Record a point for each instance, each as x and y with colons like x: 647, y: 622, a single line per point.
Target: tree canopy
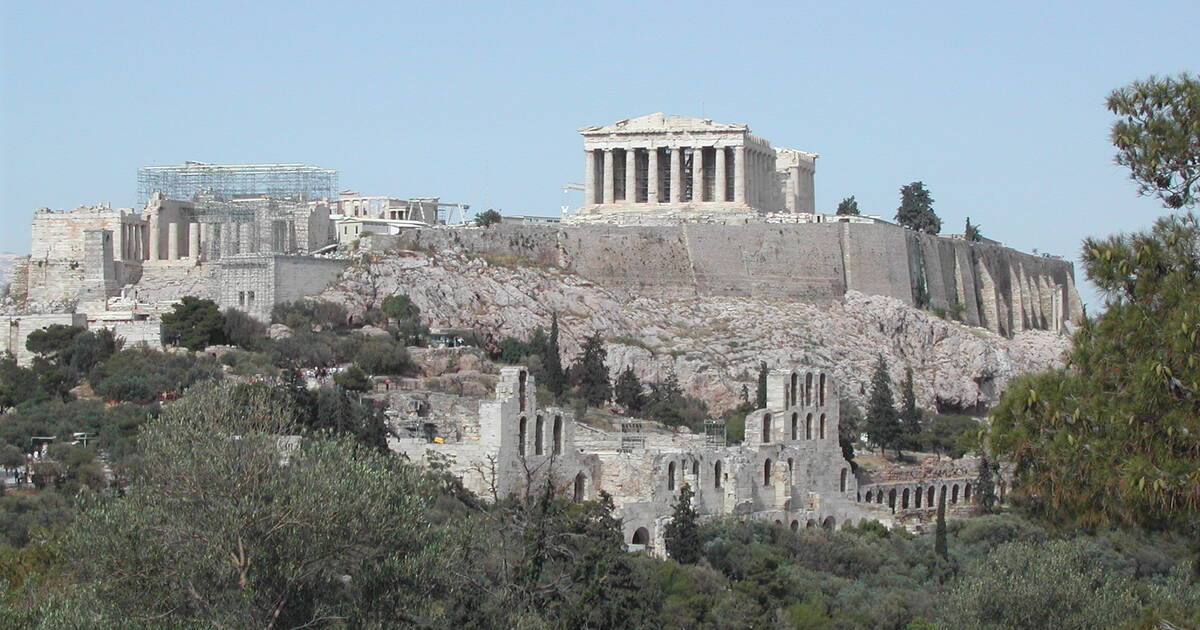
x: 487, y: 218
x: 883, y: 422
x: 916, y: 209
x: 1157, y: 135
x: 194, y: 323
x: 848, y: 206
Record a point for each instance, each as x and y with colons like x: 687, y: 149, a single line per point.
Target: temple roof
x: 661, y: 122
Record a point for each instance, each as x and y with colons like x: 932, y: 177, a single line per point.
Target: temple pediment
x: 660, y: 122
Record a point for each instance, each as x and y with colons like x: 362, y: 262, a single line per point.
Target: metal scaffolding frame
x: 230, y: 181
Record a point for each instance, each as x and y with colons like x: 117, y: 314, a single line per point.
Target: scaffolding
x: 714, y: 434
x: 233, y: 181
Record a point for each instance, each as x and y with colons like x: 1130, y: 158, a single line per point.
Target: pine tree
x: 910, y: 416
x: 916, y: 209
x: 552, y: 360
x: 985, y: 486
x: 971, y: 232
x: 760, y: 398
x: 589, y: 372
x: 848, y: 206
x: 883, y: 423
x: 628, y: 391
x: 683, y: 532
x: 939, y: 536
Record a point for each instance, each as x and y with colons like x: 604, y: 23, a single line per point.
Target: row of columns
x: 600, y: 165
x: 175, y: 238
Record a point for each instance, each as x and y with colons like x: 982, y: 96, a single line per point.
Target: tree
x: 910, y: 416
x: 487, y: 218
x: 194, y: 324
x: 353, y: 378
x: 628, y: 391
x: 683, y: 532
x: 883, y: 423
x: 985, y: 485
x: 1157, y: 135
x: 760, y: 395
x: 232, y: 528
x: 939, y: 532
x: 916, y: 209
x: 589, y: 372
x: 399, y: 307
x: 971, y: 232
x: 849, y: 427
x: 52, y: 341
x: 848, y: 206
x: 552, y: 360
x: 242, y: 330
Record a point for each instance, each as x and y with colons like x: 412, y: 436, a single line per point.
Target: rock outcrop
x: 713, y: 344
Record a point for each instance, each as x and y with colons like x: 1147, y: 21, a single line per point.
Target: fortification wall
x: 982, y: 284
x: 17, y: 329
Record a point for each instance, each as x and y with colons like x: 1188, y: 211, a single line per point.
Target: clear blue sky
x: 997, y: 107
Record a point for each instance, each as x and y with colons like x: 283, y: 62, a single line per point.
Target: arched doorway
x: 822, y: 426
x: 795, y: 525
x: 929, y: 497
x: 917, y: 498
x: 904, y: 499
x: 829, y: 523
x: 641, y: 537
x: 767, y: 473
x: 521, y: 432
x: 954, y: 494
x: 892, y: 498
x: 868, y: 496
x: 842, y: 484
x: 671, y: 476
x: 580, y: 488
x: 717, y: 475
x: 539, y: 428
x: 558, y: 435
x: 766, y: 428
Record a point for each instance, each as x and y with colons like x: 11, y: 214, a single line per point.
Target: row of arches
x: 925, y: 497
x: 796, y: 397
x: 769, y: 471
x: 673, y: 472
x: 795, y: 427
x: 539, y: 436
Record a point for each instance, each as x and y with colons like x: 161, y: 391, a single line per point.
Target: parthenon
x: 670, y: 162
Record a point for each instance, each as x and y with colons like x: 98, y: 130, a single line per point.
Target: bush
x: 243, y: 330
x: 383, y: 356
x: 141, y: 375
x: 310, y: 315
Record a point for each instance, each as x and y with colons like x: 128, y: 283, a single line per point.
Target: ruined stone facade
x: 656, y: 162
x: 789, y: 470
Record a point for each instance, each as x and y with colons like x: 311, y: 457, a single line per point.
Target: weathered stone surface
x: 712, y: 343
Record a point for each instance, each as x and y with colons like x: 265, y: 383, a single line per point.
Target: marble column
x: 698, y: 174
x: 652, y: 175
x: 630, y: 175
x: 173, y: 241
x: 739, y: 174
x: 246, y: 238
x: 609, y: 189
x: 194, y: 241
x: 676, y: 175
x: 154, y: 238
x: 719, y: 190
x: 589, y: 178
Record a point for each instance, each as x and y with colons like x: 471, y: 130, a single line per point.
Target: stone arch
x: 795, y: 525
x: 795, y: 383
x: 954, y: 494
x: 917, y: 497
x: 671, y: 476
x: 696, y: 471
x: 580, y: 487
x: 821, y: 390
x: 778, y: 522
x: 766, y: 428
x: 521, y: 378
x: 967, y: 493
x: 869, y: 496
x: 829, y: 523
x: 767, y: 472
x: 892, y: 498
x: 808, y: 427
x: 539, y: 432
x: 641, y: 536
x: 904, y: 499
x: 810, y: 524
x: 808, y: 385
x: 822, y: 426
x: 717, y: 474
x: 558, y: 435
x: 929, y: 497
x: 521, y: 431
x: 842, y: 483
x: 795, y: 425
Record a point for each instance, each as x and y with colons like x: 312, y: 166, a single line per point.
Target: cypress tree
x: 910, y: 416
x: 683, y: 532
x: 760, y: 398
x: 883, y: 423
x: 590, y: 373
x: 552, y: 360
x: 985, y: 486
x: 939, y: 536
x: 916, y: 209
x: 628, y: 391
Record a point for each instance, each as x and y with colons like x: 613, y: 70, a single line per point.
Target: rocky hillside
x: 6, y: 263
x: 713, y: 344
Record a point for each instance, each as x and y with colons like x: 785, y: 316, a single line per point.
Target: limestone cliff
x: 713, y: 343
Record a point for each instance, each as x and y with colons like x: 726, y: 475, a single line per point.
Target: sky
x: 997, y: 107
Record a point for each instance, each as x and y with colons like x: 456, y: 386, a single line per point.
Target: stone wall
x: 18, y: 328
x: 256, y: 283
x: 982, y: 284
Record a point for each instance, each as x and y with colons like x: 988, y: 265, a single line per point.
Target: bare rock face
x: 713, y: 344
